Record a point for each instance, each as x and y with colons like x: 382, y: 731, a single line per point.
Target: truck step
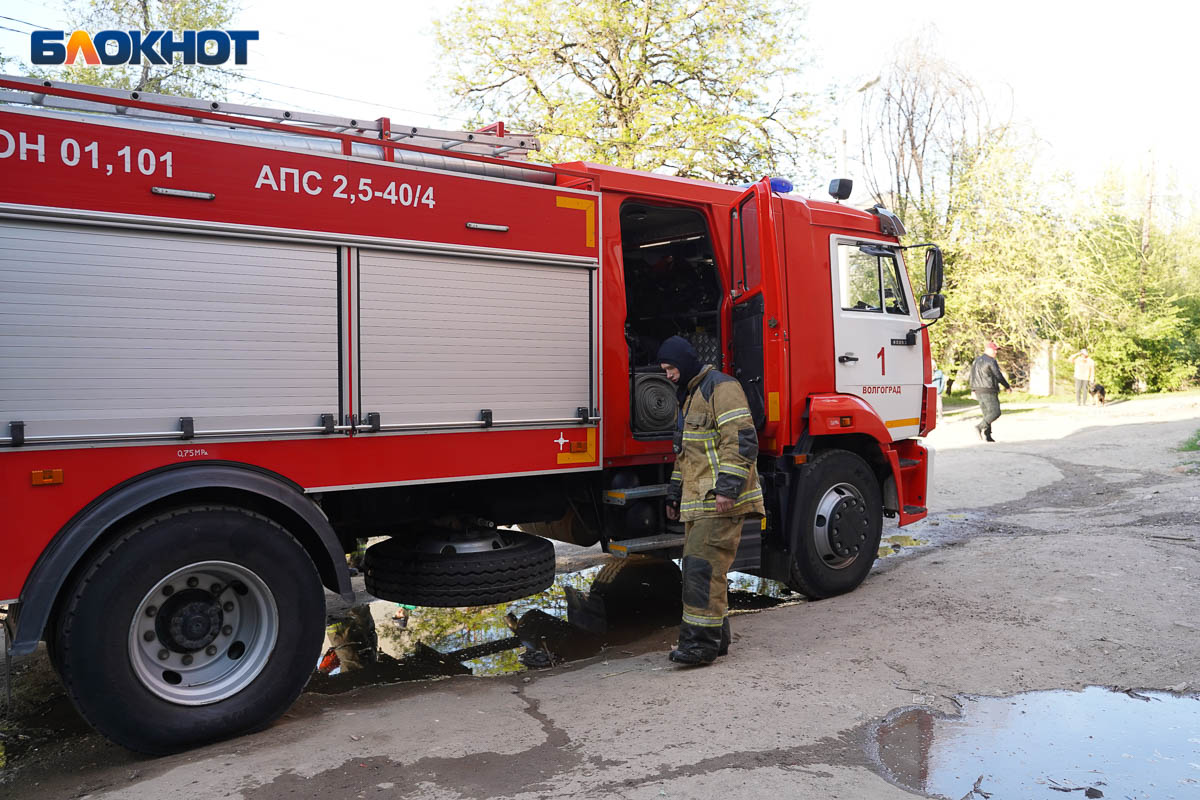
x: 914, y: 509
x: 626, y: 547
x: 909, y: 462
x: 619, y: 497
x: 748, y: 552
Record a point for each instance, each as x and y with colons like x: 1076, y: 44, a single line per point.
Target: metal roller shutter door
x: 113, y: 331
x: 443, y: 337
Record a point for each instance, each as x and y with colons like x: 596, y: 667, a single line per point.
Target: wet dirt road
x: 1064, y: 556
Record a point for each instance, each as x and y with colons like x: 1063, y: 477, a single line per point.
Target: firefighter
x: 714, y: 488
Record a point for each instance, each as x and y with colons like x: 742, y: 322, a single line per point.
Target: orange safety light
x: 847, y: 422
x: 46, y: 477
x: 578, y: 447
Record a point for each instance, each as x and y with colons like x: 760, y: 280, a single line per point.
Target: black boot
x: 726, y: 638
x: 697, y: 645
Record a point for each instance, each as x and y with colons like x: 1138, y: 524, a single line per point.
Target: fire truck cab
x: 238, y: 341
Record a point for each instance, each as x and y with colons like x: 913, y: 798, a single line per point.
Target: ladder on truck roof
x: 492, y: 141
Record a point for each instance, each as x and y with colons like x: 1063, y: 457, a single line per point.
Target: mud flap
x: 891, y: 499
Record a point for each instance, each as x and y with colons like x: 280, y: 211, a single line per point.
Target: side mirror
x: 933, y: 306
x: 933, y: 273
x: 934, y: 270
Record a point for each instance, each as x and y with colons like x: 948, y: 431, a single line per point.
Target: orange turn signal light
x: 578, y: 447
x: 847, y: 421
x: 46, y: 477
x: 800, y: 459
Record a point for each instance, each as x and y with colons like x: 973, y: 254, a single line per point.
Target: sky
x: 1104, y: 85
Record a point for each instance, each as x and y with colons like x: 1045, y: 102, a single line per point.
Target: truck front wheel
x: 198, y: 624
x: 836, y: 524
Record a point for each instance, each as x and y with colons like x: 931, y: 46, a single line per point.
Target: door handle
x: 847, y: 359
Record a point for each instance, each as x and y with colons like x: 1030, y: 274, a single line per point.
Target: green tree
x: 190, y: 80
x: 925, y: 127
x: 1143, y: 320
x: 696, y: 88
x: 1019, y: 268
x: 932, y: 153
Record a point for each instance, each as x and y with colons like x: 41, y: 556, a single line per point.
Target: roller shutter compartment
x: 108, y: 331
x: 443, y: 337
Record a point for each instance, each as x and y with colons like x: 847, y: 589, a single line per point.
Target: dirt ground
x: 1065, y: 555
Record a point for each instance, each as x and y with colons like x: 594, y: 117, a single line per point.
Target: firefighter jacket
x: 716, y: 450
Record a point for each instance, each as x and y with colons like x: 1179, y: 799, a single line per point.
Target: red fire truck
x: 237, y: 341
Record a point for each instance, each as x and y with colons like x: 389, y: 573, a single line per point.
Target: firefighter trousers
x: 708, y: 553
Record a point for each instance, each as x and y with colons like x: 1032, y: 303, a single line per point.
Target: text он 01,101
x: 73, y: 154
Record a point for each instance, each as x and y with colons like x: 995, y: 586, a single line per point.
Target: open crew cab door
x: 759, y: 342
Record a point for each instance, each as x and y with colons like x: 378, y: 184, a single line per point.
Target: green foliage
x: 1143, y: 320
x: 177, y: 78
x: 1192, y: 443
x: 696, y: 88
x: 1019, y: 269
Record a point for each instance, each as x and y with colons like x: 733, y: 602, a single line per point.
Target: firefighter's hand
x: 672, y: 511
x: 724, y: 504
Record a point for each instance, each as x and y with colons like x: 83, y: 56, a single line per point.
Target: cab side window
x: 859, y: 274
x: 747, y: 258
x: 870, y: 280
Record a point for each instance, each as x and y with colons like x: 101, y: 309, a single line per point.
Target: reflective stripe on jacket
x: 716, y: 450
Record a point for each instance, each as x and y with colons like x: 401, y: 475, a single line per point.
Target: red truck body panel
x: 103, y: 172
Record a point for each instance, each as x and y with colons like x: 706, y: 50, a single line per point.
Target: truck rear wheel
x: 198, y: 624
x: 836, y: 526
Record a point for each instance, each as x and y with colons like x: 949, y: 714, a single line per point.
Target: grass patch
x: 1191, y: 444
x: 957, y: 401
x: 965, y: 400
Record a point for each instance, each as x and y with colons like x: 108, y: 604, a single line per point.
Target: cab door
x: 758, y: 339
x: 878, y: 355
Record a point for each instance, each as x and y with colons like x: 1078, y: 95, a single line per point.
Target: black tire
x: 395, y: 571
x: 836, y: 525
x: 102, y: 618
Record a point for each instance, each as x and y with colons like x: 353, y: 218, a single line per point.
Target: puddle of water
x: 748, y: 592
x: 579, y: 615
x: 890, y: 545
x: 383, y: 642
x: 1057, y: 744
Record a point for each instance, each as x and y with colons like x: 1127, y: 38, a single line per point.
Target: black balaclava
x: 680, y: 354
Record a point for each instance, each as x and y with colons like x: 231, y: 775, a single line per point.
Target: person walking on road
x: 714, y: 488
x: 1085, y: 376
x: 986, y: 380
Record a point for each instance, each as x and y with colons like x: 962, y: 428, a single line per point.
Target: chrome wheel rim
x: 840, y: 525
x: 203, y: 633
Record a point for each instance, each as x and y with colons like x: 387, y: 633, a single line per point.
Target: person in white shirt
x: 1085, y: 375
